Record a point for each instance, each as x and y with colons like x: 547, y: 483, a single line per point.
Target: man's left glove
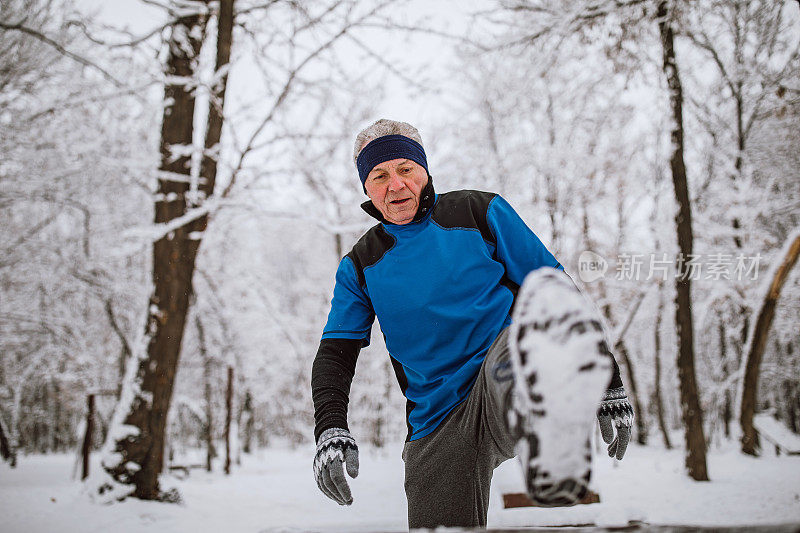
x: 616, y: 412
x: 336, y: 449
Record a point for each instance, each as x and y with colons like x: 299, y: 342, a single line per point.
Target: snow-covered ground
x: 274, y: 491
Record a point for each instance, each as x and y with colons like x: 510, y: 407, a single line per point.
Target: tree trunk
x: 389, y: 382
x: 337, y: 237
x: 208, y: 164
x: 125, y: 349
x: 86, y: 449
x: 758, y: 342
x: 60, y: 437
x: 690, y: 403
x: 792, y: 399
x: 173, y: 264
x: 740, y: 133
x: 727, y: 409
x: 208, y: 426
x: 633, y: 393
x: 377, y: 426
x: 13, y: 430
x: 141, y: 453
x: 7, y: 452
x: 657, y: 393
x: 622, y: 349
x: 248, y: 422
x: 228, y: 418
x: 625, y: 361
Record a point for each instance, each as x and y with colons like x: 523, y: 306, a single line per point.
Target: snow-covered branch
x: 47, y: 40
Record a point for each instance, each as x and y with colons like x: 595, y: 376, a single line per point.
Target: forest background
x: 567, y: 110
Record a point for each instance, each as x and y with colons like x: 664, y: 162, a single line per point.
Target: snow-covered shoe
x: 562, y: 367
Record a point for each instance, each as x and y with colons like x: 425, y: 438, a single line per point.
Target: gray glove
x: 336, y: 450
x: 616, y: 411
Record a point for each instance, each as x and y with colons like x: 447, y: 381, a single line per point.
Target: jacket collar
x: 427, y: 198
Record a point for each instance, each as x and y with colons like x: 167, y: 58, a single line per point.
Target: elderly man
x: 442, y: 272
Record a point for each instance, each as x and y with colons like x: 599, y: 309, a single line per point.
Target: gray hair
x: 383, y: 127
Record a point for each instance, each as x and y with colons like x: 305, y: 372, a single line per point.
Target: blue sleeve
x: 518, y: 248
x: 351, y: 314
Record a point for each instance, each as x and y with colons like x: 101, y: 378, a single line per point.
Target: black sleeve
x: 331, y: 376
x: 616, y: 380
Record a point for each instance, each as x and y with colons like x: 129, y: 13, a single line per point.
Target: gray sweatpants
x: 448, y: 472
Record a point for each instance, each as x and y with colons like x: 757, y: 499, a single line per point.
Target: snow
x: 274, y: 490
x: 766, y: 424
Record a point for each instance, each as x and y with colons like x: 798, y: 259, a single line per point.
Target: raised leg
x: 562, y: 367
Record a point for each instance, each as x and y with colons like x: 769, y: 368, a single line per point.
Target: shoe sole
x: 561, y: 366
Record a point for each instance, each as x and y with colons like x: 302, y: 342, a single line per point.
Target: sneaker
x: 562, y: 367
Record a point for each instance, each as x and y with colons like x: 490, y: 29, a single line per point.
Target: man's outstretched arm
x: 331, y: 376
x: 337, y: 452
x: 346, y: 332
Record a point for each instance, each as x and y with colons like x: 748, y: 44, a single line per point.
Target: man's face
x: 394, y: 187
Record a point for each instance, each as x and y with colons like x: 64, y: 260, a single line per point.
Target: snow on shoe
x: 562, y: 366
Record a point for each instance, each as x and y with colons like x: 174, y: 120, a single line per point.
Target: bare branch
x: 25, y: 236
x: 580, y: 18
x: 180, y: 8
x: 706, y: 45
x: 133, y: 91
x: 251, y: 9
x: 288, y: 85
x: 41, y: 37
x: 620, y: 334
x: 112, y: 319
x: 133, y: 42
x: 312, y: 22
x: 219, y: 307
x: 428, y: 31
x: 386, y: 64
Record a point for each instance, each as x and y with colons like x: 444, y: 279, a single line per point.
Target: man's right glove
x: 616, y: 411
x: 336, y: 449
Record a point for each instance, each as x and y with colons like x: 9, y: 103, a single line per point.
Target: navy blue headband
x: 387, y: 148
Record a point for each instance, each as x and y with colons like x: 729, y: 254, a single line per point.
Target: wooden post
x: 228, y: 417
x: 87, y: 438
x: 520, y: 499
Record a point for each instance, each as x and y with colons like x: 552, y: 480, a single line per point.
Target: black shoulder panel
x: 465, y: 209
x: 369, y: 249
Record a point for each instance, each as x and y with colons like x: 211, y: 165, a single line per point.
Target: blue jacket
x: 442, y: 288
